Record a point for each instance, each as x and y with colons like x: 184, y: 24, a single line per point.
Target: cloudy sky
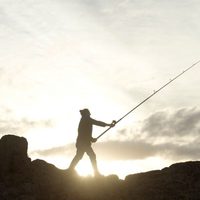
x: 59, y: 56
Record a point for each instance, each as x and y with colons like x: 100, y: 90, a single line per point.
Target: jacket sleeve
x: 98, y: 123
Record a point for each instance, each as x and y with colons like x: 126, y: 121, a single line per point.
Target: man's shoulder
x: 87, y: 119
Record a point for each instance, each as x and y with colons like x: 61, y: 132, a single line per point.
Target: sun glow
x: 84, y: 167
x: 121, y: 168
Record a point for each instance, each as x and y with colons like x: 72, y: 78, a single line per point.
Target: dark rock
x: 179, y: 181
x: 22, y: 179
x: 13, y: 154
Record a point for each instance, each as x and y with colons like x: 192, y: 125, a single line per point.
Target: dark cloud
x: 125, y: 150
x: 173, y: 135
x: 133, y: 150
x: 183, y: 122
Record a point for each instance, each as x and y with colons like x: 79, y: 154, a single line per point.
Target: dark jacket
x: 85, y: 130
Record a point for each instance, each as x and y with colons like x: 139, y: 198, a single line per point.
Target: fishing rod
x: 154, y: 93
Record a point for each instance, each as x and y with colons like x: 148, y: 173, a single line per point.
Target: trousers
x: 81, y: 150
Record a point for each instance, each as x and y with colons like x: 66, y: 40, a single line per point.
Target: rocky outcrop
x: 13, y: 154
x: 21, y: 179
x: 179, y: 181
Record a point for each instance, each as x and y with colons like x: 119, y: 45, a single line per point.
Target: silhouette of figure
x: 85, y: 139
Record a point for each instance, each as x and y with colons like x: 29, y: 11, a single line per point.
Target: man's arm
x: 100, y: 123
x: 103, y: 124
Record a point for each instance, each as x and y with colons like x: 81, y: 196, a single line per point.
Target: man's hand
x: 113, y: 123
x: 93, y: 140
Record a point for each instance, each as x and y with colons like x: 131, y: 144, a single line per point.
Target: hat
x: 85, y: 112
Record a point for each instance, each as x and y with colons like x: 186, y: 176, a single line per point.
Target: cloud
x: 125, y: 150
x: 171, y: 135
x: 130, y: 150
x: 107, y: 150
x: 67, y: 150
x: 179, y: 123
x: 14, y: 126
x: 134, y: 150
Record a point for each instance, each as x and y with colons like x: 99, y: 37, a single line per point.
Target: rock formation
x: 21, y: 179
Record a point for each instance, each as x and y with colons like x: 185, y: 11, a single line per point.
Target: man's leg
x: 79, y: 154
x: 93, y: 160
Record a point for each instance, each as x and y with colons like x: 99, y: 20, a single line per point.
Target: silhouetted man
x: 84, y: 139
